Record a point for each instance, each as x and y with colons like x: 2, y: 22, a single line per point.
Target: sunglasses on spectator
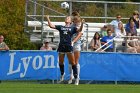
x: 109, y: 32
x: 118, y: 16
x: 46, y: 42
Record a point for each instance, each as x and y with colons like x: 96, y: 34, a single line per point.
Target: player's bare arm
x: 49, y: 22
x: 77, y: 37
x: 81, y: 27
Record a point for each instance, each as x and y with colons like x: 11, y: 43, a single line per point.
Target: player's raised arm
x: 81, y: 27
x: 49, y: 22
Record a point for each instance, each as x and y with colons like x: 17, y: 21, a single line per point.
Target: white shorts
x: 76, y: 47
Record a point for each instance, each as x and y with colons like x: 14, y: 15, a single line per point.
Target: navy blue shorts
x: 65, y: 48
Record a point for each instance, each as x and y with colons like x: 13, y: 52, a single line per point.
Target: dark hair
x: 105, y: 26
x: 109, y: 30
x: 94, y: 37
x: 131, y: 19
x: 118, y: 15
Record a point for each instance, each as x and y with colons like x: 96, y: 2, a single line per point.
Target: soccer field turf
x: 65, y: 88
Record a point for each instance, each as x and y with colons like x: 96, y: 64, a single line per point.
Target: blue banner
x: 110, y: 66
x: 28, y: 65
x: 39, y: 65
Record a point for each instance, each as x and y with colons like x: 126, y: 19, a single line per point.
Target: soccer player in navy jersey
x: 65, y: 45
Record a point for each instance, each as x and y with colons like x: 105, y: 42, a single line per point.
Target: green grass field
x: 18, y: 87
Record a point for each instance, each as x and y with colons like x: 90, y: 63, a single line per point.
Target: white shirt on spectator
x: 118, y: 33
x: 115, y: 24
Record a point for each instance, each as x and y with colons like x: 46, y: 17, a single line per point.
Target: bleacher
x: 53, y: 35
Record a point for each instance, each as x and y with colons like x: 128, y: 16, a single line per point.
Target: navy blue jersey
x: 66, y: 34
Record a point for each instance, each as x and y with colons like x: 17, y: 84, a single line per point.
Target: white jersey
x: 115, y: 24
x: 75, y: 35
x: 79, y: 42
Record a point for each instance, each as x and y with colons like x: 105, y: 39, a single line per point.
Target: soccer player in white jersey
x: 76, y: 42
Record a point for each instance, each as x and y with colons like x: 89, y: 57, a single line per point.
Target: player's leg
x: 77, y: 56
x: 77, y: 49
x: 71, y: 74
x: 74, y: 68
x: 61, y: 65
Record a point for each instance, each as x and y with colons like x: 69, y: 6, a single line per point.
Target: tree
x: 12, y: 24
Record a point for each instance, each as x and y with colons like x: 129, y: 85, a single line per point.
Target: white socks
x: 71, y: 71
x: 78, y: 71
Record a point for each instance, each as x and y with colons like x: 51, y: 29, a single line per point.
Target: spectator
x: 46, y: 46
x: 114, y: 23
x: 130, y: 48
x: 120, y: 31
x: 131, y: 28
x: 95, y: 42
x: 108, y: 39
x: 134, y: 43
x: 118, y: 40
x: 3, y: 45
x: 135, y: 18
x: 104, y: 31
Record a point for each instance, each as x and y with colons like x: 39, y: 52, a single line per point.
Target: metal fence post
x: 105, y: 10
x: 34, y: 12
x: 26, y: 13
x: 70, y: 8
x: 125, y: 44
x: 42, y: 24
x: 114, y: 46
x: 86, y: 37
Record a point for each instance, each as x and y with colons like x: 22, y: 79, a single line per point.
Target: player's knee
x: 72, y: 63
x: 61, y: 62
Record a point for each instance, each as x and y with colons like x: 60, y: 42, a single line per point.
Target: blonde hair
x: 136, y: 13
x: 75, y: 13
x: 77, y: 18
x: 122, y: 28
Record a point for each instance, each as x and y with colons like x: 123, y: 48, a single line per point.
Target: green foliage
x: 12, y: 24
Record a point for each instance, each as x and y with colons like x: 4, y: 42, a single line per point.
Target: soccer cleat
x: 77, y: 81
x: 70, y: 81
x: 61, y: 78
